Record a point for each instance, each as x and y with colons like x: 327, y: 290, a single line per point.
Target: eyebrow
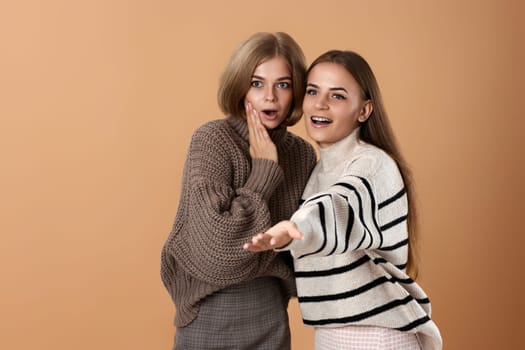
x: 278, y: 79
x: 331, y: 89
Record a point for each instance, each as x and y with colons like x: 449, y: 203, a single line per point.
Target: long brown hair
x: 258, y: 48
x: 377, y: 131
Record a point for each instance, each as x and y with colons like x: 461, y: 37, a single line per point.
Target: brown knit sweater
x: 226, y: 198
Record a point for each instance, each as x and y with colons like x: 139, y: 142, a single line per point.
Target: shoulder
x: 300, y: 150
x: 293, y: 138
x: 296, y: 143
x: 214, y: 132
x: 211, y: 128
x: 213, y: 139
x: 370, y: 160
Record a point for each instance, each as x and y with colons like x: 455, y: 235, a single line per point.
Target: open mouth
x: 272, y: 113
x: 320, y: 120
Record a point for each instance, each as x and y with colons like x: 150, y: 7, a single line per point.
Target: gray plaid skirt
x: 248, y: 316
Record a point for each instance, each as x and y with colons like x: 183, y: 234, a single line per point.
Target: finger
x: 252, y: 248
x: 249, y: 119
x: 255, y: 127
x: 274, y: 241
x: 280, y: 241
x: 261, y: 241
x: 294, y: 232
x: 255, y: 247
x: 252, y: 116
x: 259, y: 129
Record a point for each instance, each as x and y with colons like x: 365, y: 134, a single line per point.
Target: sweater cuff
x: 265, y: 176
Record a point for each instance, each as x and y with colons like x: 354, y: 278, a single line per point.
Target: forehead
x: 329, y: 74
x: 273, y: 67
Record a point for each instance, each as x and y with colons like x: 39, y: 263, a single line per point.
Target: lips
x: 269, y: 114
x: 320, y: 120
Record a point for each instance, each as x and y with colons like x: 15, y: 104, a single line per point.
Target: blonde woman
x: 243, y: 173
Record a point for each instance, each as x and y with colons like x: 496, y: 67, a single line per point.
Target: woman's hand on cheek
x: 261, y: 145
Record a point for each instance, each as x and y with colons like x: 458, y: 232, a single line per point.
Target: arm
x: 218, y: 216
x: 342, y: 218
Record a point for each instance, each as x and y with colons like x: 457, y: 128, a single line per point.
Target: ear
x: 367, y: 109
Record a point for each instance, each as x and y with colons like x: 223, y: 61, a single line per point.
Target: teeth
x: 321, y: 120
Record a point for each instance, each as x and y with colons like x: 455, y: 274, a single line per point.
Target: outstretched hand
x: 276, y: 237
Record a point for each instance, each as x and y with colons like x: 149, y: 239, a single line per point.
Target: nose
x: 320, y: 103
x: 270, y: 94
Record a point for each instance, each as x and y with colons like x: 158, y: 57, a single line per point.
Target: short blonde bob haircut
x: 237, y: 76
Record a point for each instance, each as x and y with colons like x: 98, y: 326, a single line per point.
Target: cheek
x: 284, y: 94
x: 255, y: 94
x: 288, y: 97
x: 289, y: 100
x: 345, y: 111
x: 307, y: 103
x: 250, y: 94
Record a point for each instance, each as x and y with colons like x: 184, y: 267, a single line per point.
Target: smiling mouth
x: 320, y: 120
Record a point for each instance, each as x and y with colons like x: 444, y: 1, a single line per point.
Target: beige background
x: 98, y: 100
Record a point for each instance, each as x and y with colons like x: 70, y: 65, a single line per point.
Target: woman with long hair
x: 354, y: 237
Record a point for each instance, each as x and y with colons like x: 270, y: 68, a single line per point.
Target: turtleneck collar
x: 338, y: 152
x: 241, y: 127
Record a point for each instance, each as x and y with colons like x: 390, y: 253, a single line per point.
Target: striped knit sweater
x: 350, y: 264
x: 226, y: 198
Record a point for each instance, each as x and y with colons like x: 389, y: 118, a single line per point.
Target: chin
x: 272, y: 125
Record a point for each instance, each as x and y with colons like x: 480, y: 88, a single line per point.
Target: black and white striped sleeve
x: 346, y: 216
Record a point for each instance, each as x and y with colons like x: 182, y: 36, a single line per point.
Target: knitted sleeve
x: 219, y: 217
x: 364, y: 205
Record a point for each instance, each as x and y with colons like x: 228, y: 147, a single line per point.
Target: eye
x: 256, y: 84
x: 311, y: 92
x: 283, y: 85
x: 339, y: 97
